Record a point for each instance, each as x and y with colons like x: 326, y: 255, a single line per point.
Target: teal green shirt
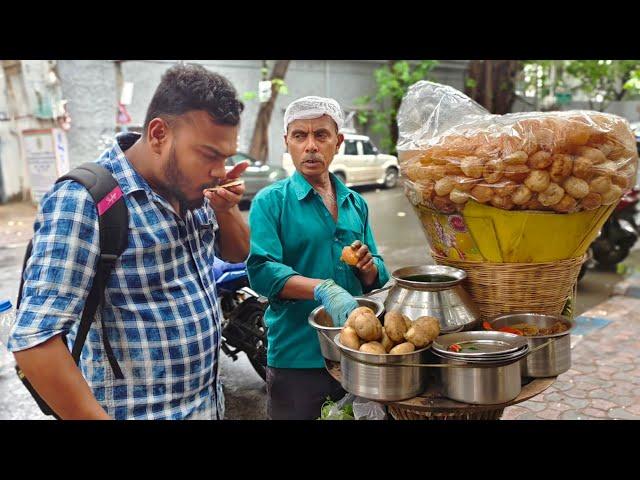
x: 293, y: 233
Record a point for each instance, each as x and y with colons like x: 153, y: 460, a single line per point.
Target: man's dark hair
x: 192, y: 87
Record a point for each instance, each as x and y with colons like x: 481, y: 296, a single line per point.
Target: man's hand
x: 224, y: 199
x: 367, y: 269
x: 336, y: 300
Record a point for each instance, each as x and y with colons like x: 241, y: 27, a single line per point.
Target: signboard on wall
x: 47, y: 158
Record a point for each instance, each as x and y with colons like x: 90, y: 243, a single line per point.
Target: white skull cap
x: 313, y: 107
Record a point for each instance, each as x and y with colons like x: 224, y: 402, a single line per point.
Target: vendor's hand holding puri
x: 358, y: 255
x: 349, y: 256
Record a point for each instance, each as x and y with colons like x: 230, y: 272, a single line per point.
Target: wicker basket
x: 400, y: 413
x: 502, y: 288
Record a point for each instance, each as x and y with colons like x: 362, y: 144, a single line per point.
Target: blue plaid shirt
x: 161, y: 308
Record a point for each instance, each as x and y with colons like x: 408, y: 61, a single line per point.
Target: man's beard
x: 176, y: 182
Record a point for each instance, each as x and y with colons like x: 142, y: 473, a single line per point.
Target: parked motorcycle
x: 617, y: 236
x: 243, y: 328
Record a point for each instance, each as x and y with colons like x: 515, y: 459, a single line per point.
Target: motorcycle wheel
x: 258, y: 360
x: 608, y: 256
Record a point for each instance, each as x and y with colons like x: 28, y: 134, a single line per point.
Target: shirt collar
x: 302, y: 187
x: 128, y: 178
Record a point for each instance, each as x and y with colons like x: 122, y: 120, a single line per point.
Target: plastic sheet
x: 452, y: 150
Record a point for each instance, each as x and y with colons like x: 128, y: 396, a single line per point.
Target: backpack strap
x: 113, y: 220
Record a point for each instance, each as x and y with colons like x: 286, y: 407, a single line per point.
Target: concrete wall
x: 342, y: 80
x: 18, y: 102
x: 90, y: 88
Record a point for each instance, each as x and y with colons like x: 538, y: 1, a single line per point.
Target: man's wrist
x: 232, y: 211
x: 369, y: 278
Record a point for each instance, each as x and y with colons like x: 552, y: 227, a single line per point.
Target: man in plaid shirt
x: 161, y: 308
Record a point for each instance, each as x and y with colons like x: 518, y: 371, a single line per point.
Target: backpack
x: 113, y: 225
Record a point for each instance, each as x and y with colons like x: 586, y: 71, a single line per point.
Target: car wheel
x: 341, y: 176
x: 390, y: 177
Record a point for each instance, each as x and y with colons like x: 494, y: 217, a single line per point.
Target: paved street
x: 604, y: 381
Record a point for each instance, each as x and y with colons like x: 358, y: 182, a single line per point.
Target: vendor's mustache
x: 313, y: 157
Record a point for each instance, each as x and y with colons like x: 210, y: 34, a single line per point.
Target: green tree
x: 604, y: 81
x: 601, y: 81
x: 392, y: 82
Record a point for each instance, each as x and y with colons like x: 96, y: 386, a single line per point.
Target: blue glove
x: 336, y: 300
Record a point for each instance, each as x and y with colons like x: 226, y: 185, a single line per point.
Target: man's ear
x: 340, y: 140
x: 158, y: 133
x: 286, y: 144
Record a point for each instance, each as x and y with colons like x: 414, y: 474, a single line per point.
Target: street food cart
x: 509, y: 205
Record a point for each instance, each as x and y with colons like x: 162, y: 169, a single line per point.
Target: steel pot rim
x: 321, y: 328
x: 457, y: 274
x: 377, y: 357
x: 565, y: 320
x: 442, y: 343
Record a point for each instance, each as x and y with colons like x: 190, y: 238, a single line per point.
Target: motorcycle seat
x: 220, y: 267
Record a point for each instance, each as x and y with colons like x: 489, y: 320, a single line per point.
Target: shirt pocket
x: 350, y: 231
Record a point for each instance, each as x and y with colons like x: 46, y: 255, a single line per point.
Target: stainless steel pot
x: 320, y: 320
x: 486, y: 384
x: 382, y: 381
x: 548, y: 361
x: 433, y: 290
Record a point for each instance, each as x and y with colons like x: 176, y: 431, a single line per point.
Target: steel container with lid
x: 551, y: 360
x: 374, y: 376
x: 492, y: 366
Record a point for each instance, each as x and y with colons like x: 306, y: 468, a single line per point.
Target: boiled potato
x: 406, y: 347
x: 387, y: 343
x: 368, y: 327
x: 356, y: 313
x: 423, y: 331
x: 349, y: 338
x: 373, y: 347
x: 395, y: 326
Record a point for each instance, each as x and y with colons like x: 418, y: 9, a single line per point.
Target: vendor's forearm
x: 299, y: 288
x: 50, y: 368
x: 234, y: 235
